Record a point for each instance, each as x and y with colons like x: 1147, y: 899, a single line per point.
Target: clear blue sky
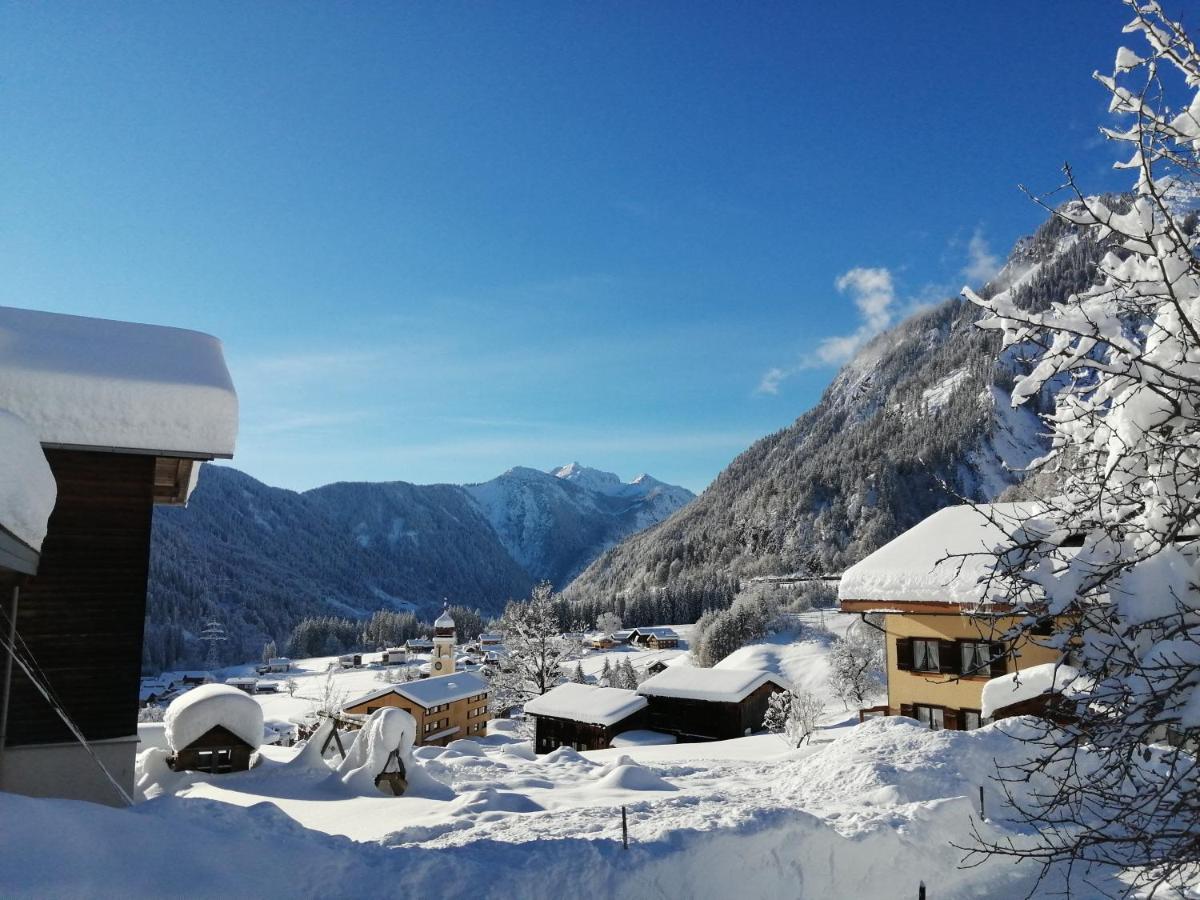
x: 440, y: 240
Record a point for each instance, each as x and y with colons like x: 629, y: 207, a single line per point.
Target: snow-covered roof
x: 659, y: 631
x: 27, y: 488
x: 432, y: 691
x: 586, y: 703
x: 84, y: 382
x: 203, y: 708
x: 939, y: 560
x: 714, y: 685
x: 491, y: 637
x: 1015, y: 687
x: 445, y: 620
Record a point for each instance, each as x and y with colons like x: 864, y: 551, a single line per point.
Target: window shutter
x: 949, y: 657
x: 904, y: 657
x: 906, y: 709
x: 999, y: 660
x: 950, y: 720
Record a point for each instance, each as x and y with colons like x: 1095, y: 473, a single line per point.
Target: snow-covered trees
x: 717, y: 634
x: 1113, y: 550
x: 269, y: 651
x: 793, y: 716
x: 534, y: 648
x: 608, y: 622
x: 624, y: 676
x: 606, y: 674
x: 856, y: 665
x: 577, y: 676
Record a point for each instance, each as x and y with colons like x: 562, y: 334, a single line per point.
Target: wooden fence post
x: 921, y: 891
x: 624, y: 829
x: 982, y: 813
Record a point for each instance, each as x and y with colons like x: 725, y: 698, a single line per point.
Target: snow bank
x: 586, y: 703
x: 915, y: 567
x: 714, y: 685
x: 635, y: 778
x: 27, y: 489
x: 1028, y: 683
x: 202, y: 708
x: 100, y: 383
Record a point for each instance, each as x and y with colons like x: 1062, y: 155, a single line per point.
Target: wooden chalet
x: 445, y: 707
x: 214, y: 728
x: 123, y: 414
x: 583, y: 716
x: 656, y: 638
x: 695, y: 704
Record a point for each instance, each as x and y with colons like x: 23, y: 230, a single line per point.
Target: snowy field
x: 865, y: 811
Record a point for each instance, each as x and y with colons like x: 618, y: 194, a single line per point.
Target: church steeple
x: 444, y: 639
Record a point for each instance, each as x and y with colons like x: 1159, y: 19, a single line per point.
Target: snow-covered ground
x: 864, y: 811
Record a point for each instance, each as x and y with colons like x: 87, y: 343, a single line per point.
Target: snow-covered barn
x: 697, y: 704
x: 583, y: 716
x: 121, y: 415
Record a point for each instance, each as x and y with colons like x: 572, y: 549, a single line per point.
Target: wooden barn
x: 123, y: 414
x: 657, y: 638
x: 708, y: 704
x: 583, y: 716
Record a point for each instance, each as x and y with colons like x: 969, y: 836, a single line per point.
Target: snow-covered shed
x: 583, y: 716
x: 696, y: 704
x: 213, y: 728
x: 445, y: 707
x: 122, y: 414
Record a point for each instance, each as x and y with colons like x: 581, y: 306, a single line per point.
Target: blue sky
x: 441, y: 240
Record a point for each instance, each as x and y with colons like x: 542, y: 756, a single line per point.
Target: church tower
x: 442, y: 662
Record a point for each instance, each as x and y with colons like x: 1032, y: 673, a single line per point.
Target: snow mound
x: 466, y: 747
x: 490, y: 800
x: 27, y: 488
x: 386, y: 730
x: 641, y: 737
x: 623, y: 759
x: 1026, y: 684
x: 99, y: 383
x: 205, y: 707
x: 565, y: 755
x: 635, y: 778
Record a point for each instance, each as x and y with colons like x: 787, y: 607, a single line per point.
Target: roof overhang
x: 920, y: 607
x: 16, y: 555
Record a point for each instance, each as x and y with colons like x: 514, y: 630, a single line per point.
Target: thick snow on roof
x: 99, y: 383
x: 27, y: 489
x: 661, y: 631
x: 586, y: 703
x: 433, y: 691
x: 915, y: 567
x: 1015, y: 687
x: 207, y: 706
x: 714, y: 685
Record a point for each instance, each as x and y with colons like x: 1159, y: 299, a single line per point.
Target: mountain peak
x: 592, y: 479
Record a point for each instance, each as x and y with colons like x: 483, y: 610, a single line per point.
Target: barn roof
x: 586, y: 703
x: 97, y: 383
x: 713, y: 685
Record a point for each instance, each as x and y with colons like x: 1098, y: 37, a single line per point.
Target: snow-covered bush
x: 856, y: 665
x: 793, y: 715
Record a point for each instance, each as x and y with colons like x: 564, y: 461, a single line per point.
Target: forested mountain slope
x: 919, y: 416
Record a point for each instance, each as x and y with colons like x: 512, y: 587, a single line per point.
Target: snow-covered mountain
x: 917, y: 419
x: 260, y: 558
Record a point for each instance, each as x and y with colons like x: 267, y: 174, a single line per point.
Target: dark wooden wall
x: 552, y: 733
x: 83, y: 614
x: 705, y: 720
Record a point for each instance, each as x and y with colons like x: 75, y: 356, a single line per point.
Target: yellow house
x: 446, y: 708
x: 925, y: 584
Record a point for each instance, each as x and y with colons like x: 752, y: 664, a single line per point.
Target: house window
x: 933, y: 716
x: 969, y: 719
x: 976, y: 657
x: 925, y: 656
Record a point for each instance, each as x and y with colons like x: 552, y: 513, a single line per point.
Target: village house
x: 446, y: 707
x: 925, y: 585
x: 599, y: 642
x: 695, y: 704
x: 418, y: 645
x: 657, y: 638
x: 584, y: 717
x: 123, y: 414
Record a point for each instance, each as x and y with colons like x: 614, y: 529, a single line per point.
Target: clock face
x: 437, y: 665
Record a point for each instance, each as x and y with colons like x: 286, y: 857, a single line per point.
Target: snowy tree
x: 608, y: 622
x: 577, y: 676
x: 269, y: 651
x: 856, y: 665
x: 793, y: 716
x: 624, y: 676
x: 329, y: 698
x: 606, y: 674
x: 1110, y: 555
x: 534, y: 648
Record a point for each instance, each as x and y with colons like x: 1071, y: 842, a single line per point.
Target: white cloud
x: 982, y: 264
x: 873, y: 292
